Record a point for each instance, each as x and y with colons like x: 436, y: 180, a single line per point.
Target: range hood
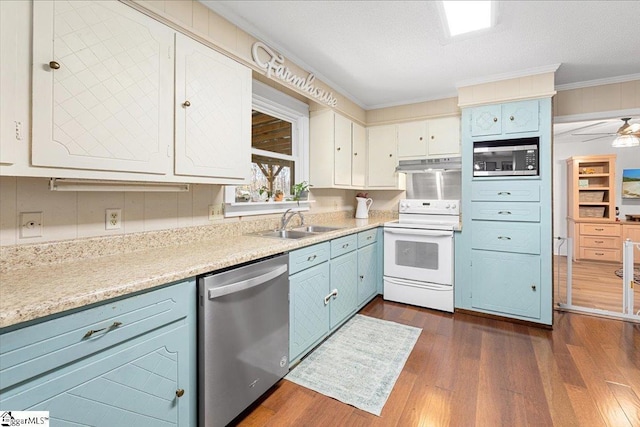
x: 428, y: 165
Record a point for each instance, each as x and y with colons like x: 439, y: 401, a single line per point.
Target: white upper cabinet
x: 102, y: 88
x: 412, y: 140
x: 212, y: 113
x: 358, y: 156
x: 429, y: 138
x: 444, y: 137
x: 342, y: 155
x: 383, y: 158
x: 10, y: 125
x: 337, y: 150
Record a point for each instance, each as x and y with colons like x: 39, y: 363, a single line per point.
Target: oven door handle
x: 416, y: 232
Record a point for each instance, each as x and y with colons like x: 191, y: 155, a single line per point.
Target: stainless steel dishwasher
x: 243, y: 337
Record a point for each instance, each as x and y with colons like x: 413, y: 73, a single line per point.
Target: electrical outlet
x: 113, y: 219
x: 30, y: 224
x: 215, y: 212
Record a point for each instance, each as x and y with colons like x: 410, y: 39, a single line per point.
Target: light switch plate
x: 30, y: 224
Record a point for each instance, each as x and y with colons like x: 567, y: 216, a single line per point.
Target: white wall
x: 626, y: 158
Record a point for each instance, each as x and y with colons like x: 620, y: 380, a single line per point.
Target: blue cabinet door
x: 367, y: 273
x: 308, y: 314
x: 486, y: 120
x: 520, y: 116
x: 134, y: 384
x: 344, y: 271
x: 506, y: 283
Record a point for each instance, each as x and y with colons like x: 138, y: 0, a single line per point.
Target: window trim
x: 280, y: 105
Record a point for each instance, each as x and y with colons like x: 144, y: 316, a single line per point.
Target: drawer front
x: 600, y: 254
x: 505, y: 191
x: 36, y: 349
x: 498, y: 211
x: 304, y: 258
x: 344, y: 245
x: 597, y: 242
x: 367, y: 237
x: 506, y: 237
x: 600, y: 229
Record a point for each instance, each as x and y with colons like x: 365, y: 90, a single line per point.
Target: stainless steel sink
x: 316, y: 228
x: 285, y: 234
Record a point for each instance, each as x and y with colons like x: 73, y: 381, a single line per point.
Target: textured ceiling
x: 383, y: 53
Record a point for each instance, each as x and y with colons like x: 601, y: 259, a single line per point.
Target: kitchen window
x: 279, y: 155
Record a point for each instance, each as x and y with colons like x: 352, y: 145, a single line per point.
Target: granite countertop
x: 38, y: 291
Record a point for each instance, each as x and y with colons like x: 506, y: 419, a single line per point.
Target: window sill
x: 263, y: 208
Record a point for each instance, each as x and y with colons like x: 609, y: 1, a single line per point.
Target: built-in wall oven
x: 419, y: 253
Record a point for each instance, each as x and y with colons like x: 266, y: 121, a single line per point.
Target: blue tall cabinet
x: 504, y: 262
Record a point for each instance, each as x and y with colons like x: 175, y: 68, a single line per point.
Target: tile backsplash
x: 76, y: 215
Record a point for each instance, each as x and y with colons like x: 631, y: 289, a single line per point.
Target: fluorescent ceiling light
x: 467, y: 16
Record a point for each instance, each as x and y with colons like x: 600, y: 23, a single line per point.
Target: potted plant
x: 300, y: 191
x: 279, y: 196
x: 264, y: 193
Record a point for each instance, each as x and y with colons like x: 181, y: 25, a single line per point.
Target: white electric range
x: 419, y: 253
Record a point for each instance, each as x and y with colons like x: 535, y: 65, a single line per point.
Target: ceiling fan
x: 628, y: 135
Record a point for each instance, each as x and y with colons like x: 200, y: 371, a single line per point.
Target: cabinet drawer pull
x: 93, y: 331
x: 598, y: 241
x: 334, y: 293
x: 369, y: 237
x: 504, y: 193
x: 599, y: 229
x: 312, y: 257
x: 345, y: 246
x: 54, y: 65
x: 180, y: 392
x: 504, y: 237
x: 504, y: 213
x: 599, y: 253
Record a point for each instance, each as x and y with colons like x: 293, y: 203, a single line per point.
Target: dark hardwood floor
x: 473, y: 371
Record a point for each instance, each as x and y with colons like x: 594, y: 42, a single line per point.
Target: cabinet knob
x: 355, y: 154
x: 420, y: 138
x: 186, y: 104
x: 433, y: 137
x: 338, y: 149
x: 533, y: 288
x: 361, y: 277
x: 180, y: 392
x: 495, y: 119
x: 54, y: 65
x: 390, y: 155
x: 511, y: 118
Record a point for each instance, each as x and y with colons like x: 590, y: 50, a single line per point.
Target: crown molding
x: 511, y: 75
x: 599, y: 82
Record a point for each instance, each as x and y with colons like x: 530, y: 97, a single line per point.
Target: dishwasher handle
x: 246, y: 284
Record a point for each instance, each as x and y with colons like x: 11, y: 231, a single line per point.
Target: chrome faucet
x: 285, y: 219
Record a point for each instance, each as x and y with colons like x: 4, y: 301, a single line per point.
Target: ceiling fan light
x: 623, y: 141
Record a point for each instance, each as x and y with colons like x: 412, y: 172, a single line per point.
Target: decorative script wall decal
x: 275, y: 66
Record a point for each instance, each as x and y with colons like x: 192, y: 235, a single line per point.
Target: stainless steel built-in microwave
x: 511, y: 157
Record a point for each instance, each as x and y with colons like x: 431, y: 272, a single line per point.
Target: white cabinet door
x: 212, y: 113
x: 11, y: 127
x: 412, y: 140
x: 359, y: 163
x: 342, y: 159
x: 383, y: 160
x: 102, y: 88
x: 444, y: 137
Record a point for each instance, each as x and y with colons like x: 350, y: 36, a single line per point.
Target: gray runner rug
x: 360, y: 363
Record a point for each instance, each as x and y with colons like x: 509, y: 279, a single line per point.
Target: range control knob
x: 448, y: 206
x: 453, y: 206
x: 530, y: 167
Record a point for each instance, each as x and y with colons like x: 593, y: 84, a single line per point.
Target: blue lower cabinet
x: 506, y: 283
x: 308, y: 313
x: 367, y: 273
x: 344, y: 286
x: 324, y: 296
x: 146, y: 379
